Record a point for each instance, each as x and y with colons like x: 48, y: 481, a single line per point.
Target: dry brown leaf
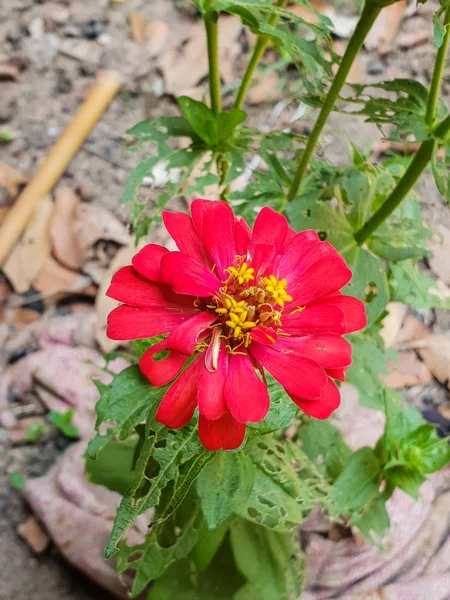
x: 393, y: 322
x: 444, y: 410
x: 411, y: 331
x: 137, y: 25
x: 440, y: 261
x: 407, y: 371
x: 54, y: 278
x: 9, y: 71
x: 156, y: 33
x: 385, y: 28
x: 105, y: 305
x: 64, y: 238
x: 20, y: 318
x: 34, y: 535
x: 27, y: 258
x: 381, y: 147
x: 265, y: 90
x: 11, y: 179
x: 93, y: 223
x: 414, y: 38
x: 434, y: 350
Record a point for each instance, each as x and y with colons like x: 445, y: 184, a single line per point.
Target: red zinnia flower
x: 237, y: 300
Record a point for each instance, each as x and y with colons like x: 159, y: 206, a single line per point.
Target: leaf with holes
x: 411, y: 285
x: 281, y: 411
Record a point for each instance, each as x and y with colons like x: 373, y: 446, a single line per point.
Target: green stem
x: 258, y: 51
x: 438, y: 71
x: 213, y: 60
x: 405, y: 184
x: 367, y: 19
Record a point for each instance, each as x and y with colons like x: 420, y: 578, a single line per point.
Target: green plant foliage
x: 281, y: 411
x: 114, y: 466
x: 441, y: 170
x: 359, y: 482
x: 223, y: 485
x: 18, y: 480
x: 271, y: 562
x: 64, y: 422
x: 409, y: 284
x: 439, y: 28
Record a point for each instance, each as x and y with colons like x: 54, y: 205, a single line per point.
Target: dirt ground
x: 59, y: 47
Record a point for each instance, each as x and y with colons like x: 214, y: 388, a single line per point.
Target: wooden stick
x: 59, y: 157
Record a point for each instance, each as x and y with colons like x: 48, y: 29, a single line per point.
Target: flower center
x: 242, y: 304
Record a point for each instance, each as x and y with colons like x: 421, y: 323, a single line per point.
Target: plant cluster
x: 224, y: 522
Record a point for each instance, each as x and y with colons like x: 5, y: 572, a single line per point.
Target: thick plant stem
x: 438, y: 71
x: 406, y: 183
x: 213, y: 60
x: 258, y: 51
x: 367, y: 19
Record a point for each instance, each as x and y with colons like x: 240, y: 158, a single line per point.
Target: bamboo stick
x: 59, y: 157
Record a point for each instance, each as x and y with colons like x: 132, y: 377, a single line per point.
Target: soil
x: 52, y: 83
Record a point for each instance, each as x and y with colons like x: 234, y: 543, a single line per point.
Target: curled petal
x: 130, y: 323
x: 211, y: 384
x: 221, y: 434
x: 185, y: 337
x: 338, y: 374
x: 353, y: 309
x: 270, y: 227
x: 161, y: 371
x: 246, y: 395
x: 299, y: 375
x: 180, y: 401
x: 329, y: 350
x: 263, y: 335
x: 131, y: 288
x: 182, y: 230
x: 188, y: 276
x: 324, y: 406
x: 147, y: 261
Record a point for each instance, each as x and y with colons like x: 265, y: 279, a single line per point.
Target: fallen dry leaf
x: 20, y: 318
x: 11, y: 179
x: 63, y: 235
x: 393, y: 322
x: 34, y: 535
x: 434, y: 350
x: 380, y: 147
x: 385, y: 28
x: 440, y: 247
x: 412, y: 330
x: 265, y: 89
x: 414, y: 38
x: 406, y: 371
x: 28, y: 257
x: 54, y: 279
x: 156, y: 34
x: 9, y: 71
x: 3, y: 213
x: 137, y: 25
x: 94, y: 223
x: 444, y: 410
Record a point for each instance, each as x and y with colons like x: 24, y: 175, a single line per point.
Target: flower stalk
x: 212, y: 36
x: 369, y: 14
x: 438, y: 71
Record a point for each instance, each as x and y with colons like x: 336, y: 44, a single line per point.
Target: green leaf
x: 35, y: 430
x: 64, y: 422
x: 360, y: 481
x: 281, y: 411
x: 373, y: 522
x: 169, y: 461
x: 270, y: 561
x: 126, y: 402
x: 166, y: 544
x: 410, y: 285
x: 114, y: 466
x: 441, y: 170
x: 322, y: 439
x: 407, y: 479
x: 369, y: 283
x: 18, y: 480
x: 425, y: 450
x: 359, y: 191
x: 439, y: 29
x: 208, y: 544
x: 223, y: 485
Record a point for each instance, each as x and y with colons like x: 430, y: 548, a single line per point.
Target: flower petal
x: 299, y: 375
x: 242, y: 234
x: 314, y: 318
x: 338, y: 374
x: 297, y: 260
x: 328, y: 350
x: 324, y: 406
x: 180, y: 401
x: 353, y: 309
x: 270, y: 227
x: 188, y: 276
x: 246, y: 395
x: 182, y: 230
x: 161, y: 371
x: 263, y: 335
x: 217, y: 235
x: 129, y: 287
x: 147, y: 261
x: 297, y: 245
x: 260, y: 257
x: 323, y: 278
x: 185, y: 337
x: 130, y: 323
x: 221, y: 434
x: 211, y: 397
